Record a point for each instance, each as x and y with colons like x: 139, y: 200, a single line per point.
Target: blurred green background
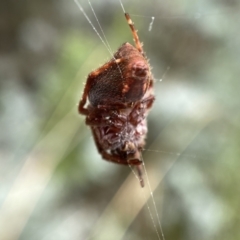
x: 53, y: 183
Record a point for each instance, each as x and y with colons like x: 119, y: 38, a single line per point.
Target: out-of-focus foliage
x: 53, y: 183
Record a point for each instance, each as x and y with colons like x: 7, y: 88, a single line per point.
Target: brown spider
x: 120, y: 94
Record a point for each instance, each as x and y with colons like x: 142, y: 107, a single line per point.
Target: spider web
x: 186, y: 142
x: 189, y: 138
x: 192, y: 139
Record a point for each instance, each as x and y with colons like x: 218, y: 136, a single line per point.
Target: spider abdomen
x: 126, y: 81
x: 126, y: 139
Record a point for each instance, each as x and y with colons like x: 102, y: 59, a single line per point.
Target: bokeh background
x: 53, y: 183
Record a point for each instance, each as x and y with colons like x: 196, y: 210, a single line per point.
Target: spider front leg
x: 135, y: 35
x: 91, y: 78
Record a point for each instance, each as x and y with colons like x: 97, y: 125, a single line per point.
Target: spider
x: 119, y: 96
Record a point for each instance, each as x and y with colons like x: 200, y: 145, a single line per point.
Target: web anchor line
x: 153, y: 201
x: 146, y: 201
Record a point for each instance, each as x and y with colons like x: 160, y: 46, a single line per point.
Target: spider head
x: 137, y: 79
x: 135, y: 73
x: 140, y: 70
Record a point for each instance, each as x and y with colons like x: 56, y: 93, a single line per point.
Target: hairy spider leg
x: 134, y: 32
x: 91, y: 77
x: 140, y: 108
x: 148, y: 101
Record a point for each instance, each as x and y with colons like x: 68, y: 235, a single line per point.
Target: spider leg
x: 134, y: 32
x: 151, y: 84
x: 139, y: 111
x: 138, y: 164
x: 91, y: 78
x: 140, y: 174
x: 148, y: 101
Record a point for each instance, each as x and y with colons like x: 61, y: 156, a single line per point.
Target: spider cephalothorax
x: 120, y: 94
